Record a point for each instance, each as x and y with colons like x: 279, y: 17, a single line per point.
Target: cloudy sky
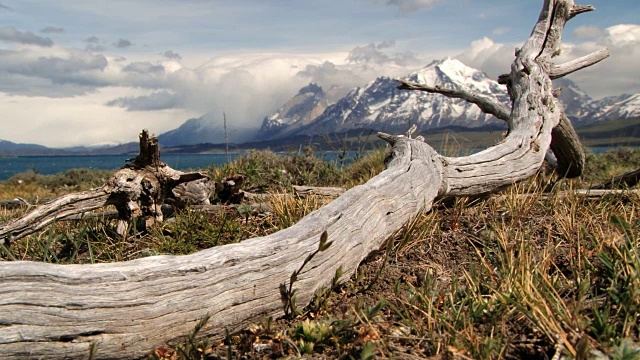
x: 88, y: 72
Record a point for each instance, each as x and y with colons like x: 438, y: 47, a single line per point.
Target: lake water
x: 48, y: 165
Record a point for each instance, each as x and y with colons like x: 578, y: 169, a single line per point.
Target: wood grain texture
x: 304, y: 191
x: 127, y: 309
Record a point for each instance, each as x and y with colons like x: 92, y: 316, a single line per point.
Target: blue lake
x: 48, y: 165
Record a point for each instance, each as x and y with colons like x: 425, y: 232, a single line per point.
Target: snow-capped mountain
x: 578, y: 106
x: 380, y: 105
x: 304, y: 107
x: 618, y: 107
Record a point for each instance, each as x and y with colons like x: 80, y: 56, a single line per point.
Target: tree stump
x: 137, y: 190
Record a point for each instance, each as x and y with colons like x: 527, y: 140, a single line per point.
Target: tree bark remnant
x: 124, y: 310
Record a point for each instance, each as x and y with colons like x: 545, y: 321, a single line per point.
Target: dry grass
x: 504, y: 277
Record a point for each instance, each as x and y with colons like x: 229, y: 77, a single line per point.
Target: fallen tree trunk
x: 124, y: 310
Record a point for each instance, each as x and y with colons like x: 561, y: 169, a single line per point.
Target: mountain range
x: 378, y: 105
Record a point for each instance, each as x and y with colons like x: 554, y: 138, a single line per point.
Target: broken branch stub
x: 124, y: 310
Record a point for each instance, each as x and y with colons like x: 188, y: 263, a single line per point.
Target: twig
x: 628, y: 179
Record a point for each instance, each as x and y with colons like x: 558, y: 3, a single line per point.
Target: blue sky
x: 86, y: 72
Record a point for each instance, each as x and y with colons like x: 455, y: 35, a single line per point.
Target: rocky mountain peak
x: 312, y: 88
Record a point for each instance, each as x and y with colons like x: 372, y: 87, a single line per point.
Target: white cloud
x: 56, y: 88
x: 373, y: 53
x: 614, y: 76
x: 81, y: 120
x: 488, y: 56
x: 622, y: 35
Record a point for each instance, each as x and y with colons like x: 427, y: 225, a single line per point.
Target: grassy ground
x: 510, y: 276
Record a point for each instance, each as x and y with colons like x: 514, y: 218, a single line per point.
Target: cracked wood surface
x: 127, y: 309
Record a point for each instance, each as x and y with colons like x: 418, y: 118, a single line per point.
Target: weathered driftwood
x: 168, y: 211
x: 228, y: 191
x: 586, y: 194
x: 300, y: 191
x: 137, y: 190
x: 568, y: 150
x: 304, y: 191
x: 123, y: 310
x: 197, y: 192
x: 20, y: 202
x: 626, y: 180
x: 566, y: 147
x: 252, y: 209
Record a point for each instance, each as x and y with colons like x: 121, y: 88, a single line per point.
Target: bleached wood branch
x: 567, y: 148
x: 485, y: 103
x: 61, y: 207
x: 558, y: 71
x: 580, y: 9
x: 20, y: 202
x: 124, y: 310
x: 565, y: 143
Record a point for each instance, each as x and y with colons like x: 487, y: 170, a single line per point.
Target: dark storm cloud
x: 78, y: 73
x: 170, y: 54
x: 143, y: 67
x: 95, y: 48
x: 52, y: 30
x: 122, y: 43
x: 11, y: 34
x: 157, y: 101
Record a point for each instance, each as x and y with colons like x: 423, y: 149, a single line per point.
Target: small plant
x: 320, y: 299
x: 289, y: 294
